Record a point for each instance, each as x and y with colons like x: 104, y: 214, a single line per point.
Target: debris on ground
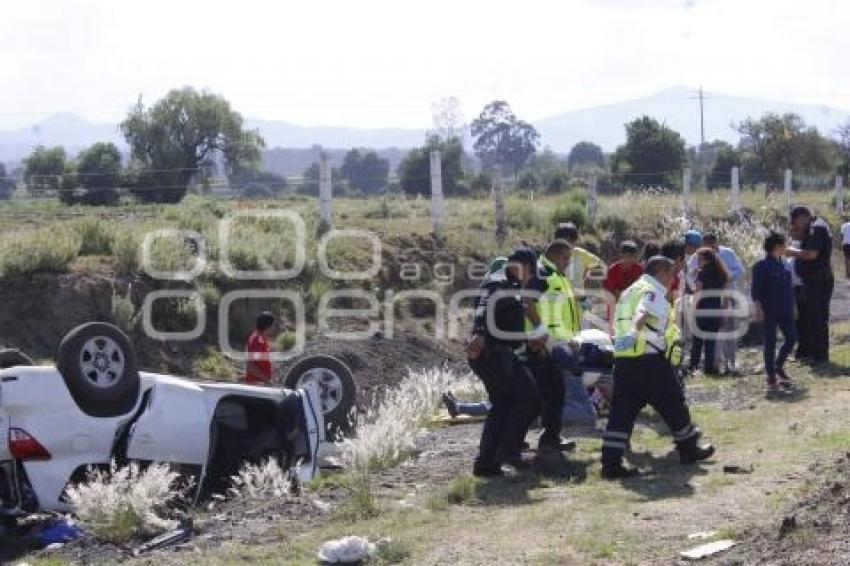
x: 737, y: 469
x: 179, y: 535
x: 60, y: 531
x: 706, y: 550
x: 347, y: 550
x: 702, y: 535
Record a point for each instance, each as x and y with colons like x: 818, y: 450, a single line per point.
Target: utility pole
x: 701, y: 117
x: 701, y: 96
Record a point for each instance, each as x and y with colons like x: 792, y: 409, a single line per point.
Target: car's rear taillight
x: 23, y: 446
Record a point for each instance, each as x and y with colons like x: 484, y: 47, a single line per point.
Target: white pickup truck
x: 95, y: 407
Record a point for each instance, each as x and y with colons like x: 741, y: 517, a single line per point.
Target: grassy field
x: 46, y: 236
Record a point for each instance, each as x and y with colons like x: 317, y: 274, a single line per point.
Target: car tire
x: 98, y: 365
x: 11, y: 357
x: 337, y: 390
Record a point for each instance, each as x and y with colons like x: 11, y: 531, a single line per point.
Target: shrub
x: 261, y: 481
x: 391, y: 551
x: 361, y: 503
x: 120, y: 504
x: 215, y: 365
x: 570, y: 210
x: 125, y: 249
x: 96, y: 236
x: 390, y: 428
x: 49, y: 251
x: 619, y: 227
x: 461, y: 489
x: 124, y: 312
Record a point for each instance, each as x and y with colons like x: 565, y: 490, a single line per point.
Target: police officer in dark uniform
x: 498, y: 338
x: 642, y: 373
x: 813, y: 263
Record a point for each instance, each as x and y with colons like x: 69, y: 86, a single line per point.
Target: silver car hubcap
x: 329, y: 384
x: 102, y: 361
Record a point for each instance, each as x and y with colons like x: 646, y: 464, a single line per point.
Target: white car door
x: 175, y: 427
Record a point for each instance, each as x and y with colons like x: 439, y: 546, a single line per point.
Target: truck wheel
x: 11, y: 357
x: 98, y: 365
x: 337, y: 390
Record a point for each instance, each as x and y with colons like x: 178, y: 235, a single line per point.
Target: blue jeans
x: 772, y: 361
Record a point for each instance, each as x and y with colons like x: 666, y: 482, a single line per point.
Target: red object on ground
x: 258, y: 350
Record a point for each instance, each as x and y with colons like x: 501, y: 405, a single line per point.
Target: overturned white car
x: 95, y: 407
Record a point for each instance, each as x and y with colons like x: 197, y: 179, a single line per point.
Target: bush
x: 96, y: 236
x: 124, y: 312
x: 461, y: 489
x: 390, y: 429
x: 121, y: 504
x: 619, y: 227
x: 125, y: 249
x: 261, y: 481
x: 570, y: 210
x: 215, y: 365
x: 50, y: 251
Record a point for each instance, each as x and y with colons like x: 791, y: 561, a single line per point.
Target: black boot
x: 487, y: 470
x: 555, y: 444
x: 618, y: 471
x: 451, y: 404
x: 688, y: 454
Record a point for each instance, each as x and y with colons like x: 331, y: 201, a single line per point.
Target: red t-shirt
x: 620, y: 277
x: 258, y: 352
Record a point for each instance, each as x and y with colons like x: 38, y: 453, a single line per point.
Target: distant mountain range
x: 602, y: 125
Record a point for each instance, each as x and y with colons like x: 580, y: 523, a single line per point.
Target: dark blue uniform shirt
x: 772, y: 288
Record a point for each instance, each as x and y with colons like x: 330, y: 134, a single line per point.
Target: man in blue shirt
x: 773, y: 294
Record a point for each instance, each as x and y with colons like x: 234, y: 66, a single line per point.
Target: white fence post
x: 325, y: 191
x: 736, y: 189
x: 686, y: 191
x: 788, y: 197
x: 499, y: 199
x: 437, y: 204
x: 591, y: 198
x: 839, y: 194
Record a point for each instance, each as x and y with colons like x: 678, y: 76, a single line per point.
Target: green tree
x: 255, y: 183
x: 44, y: 170
x: 502, y: 138
x: 414, y: 171
x: 181, y: 137
x: 586, y: 155
x: 652, y: 155
x: 365, y: 172
x: 724, y: 158
x: 310, y: 186
x: 774, y: 142
x: 7, y: 183
x: 98, y: 175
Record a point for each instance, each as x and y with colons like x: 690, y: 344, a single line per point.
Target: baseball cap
x: 693, y: 238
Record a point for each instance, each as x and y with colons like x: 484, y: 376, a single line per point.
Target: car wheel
x: 98, y: 365
x: 337, y: 391
x: 11, y: 357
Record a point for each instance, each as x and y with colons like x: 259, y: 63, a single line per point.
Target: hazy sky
x: 372, y: 63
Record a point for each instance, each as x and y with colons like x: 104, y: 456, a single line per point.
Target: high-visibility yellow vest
x: 625, y: 314
x: 673, y: 336
x: 559, y: 309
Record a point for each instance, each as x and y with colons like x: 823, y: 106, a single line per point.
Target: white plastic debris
x: 706, y: 550
x: 346, y: 550
x: 702, y: 535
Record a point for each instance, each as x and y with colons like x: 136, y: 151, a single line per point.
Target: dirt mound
x: 816, y: 530
x: 380, y: 362
x: 37, y: 310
